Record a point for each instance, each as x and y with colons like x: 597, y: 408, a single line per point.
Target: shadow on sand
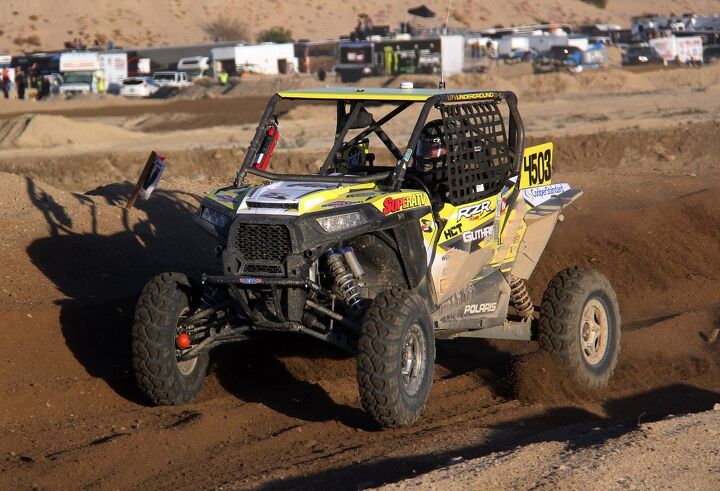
x: 575, y: 426
x: 101, y: 274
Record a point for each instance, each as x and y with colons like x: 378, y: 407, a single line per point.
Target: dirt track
x: 283, y: 412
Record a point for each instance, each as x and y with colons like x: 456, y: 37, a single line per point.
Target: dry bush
x: 32, y: 40
x: 461, y: 17
x: 226, y: 29
x: 33, y: 17
x: 601, y: 4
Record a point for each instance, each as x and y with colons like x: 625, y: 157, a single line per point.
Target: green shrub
x: 275, y: 34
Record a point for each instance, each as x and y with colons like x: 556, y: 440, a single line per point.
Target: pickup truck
x: 171, y: 79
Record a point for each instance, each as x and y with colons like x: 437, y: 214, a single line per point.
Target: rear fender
x: 540, y: 221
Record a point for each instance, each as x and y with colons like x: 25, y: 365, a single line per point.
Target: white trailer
x: 452, y: 54
x: 266, y: 58
x: 114, y: 67
x: 543, y: 42
x: 509, y: 44
x: 682, y: 49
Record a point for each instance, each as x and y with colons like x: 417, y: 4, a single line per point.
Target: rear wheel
x: 396, y: 356
x: 165, y: 380
x: 580, y: 325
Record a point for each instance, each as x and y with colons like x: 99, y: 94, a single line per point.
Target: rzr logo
x: 482, y: 308
x: 392, y: 205
x: 472, y: 210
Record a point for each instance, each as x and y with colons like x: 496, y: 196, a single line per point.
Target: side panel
x: 482, y: 304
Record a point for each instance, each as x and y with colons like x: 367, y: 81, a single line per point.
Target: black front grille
x: 262, y: 249
x: 263, y: 204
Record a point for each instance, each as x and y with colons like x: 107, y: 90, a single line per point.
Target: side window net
x: 478, y: 159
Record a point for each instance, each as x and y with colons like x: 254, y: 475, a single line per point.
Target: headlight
x: 336, y: 223
x: 218, y: 219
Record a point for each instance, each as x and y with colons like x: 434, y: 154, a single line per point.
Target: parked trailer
x: 679, y: 49
x: 314, y: 56
x: 114, y: 67
x: 508, y: 45
x: 266, y: 58
x: 397, y: 56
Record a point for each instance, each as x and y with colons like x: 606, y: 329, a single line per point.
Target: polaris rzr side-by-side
x: 381, y: 255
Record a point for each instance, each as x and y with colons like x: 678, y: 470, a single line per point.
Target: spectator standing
x: 20, y: 82
x: 223, y: 77
x: 5, y: 82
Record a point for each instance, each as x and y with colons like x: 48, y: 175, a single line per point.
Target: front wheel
x: 580, y: 326
x: 396, y: 356
x: 165, y: 380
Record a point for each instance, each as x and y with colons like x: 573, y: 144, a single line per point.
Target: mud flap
x: 540, y: 222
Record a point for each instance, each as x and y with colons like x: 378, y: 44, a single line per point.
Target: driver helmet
x: 431, y: 148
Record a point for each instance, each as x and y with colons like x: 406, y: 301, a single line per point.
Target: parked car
x: 139, y: 87
x: 641, y: 56
x: 171, y: 79
x: 711, y: 53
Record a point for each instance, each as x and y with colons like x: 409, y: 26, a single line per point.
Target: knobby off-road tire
x: 580, y: 326
x: 164, y: 380
x: 396, y: 356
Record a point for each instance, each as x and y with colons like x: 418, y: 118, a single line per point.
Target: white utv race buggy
x: 382, y: 260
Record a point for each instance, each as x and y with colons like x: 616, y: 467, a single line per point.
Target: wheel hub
x: 594, y: 331
x: 413, y: 359
x: 187, y: 366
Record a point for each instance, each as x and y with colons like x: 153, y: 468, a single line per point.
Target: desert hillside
x: 40, y: 24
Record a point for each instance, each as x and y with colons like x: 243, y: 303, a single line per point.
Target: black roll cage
x: 516, y: 136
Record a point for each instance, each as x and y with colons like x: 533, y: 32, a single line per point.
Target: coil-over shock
x: 345, y: 279
x: 520, y: 298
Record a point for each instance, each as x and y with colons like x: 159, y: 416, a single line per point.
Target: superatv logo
x: 392, y: 205
x: 472, y: 210
x: 480, y: 308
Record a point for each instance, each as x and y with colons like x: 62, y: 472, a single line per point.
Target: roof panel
x: 378, y: 94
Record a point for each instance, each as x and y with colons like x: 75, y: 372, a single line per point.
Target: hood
x: 298, y: 198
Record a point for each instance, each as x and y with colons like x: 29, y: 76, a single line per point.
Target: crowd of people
x: 21, y: 81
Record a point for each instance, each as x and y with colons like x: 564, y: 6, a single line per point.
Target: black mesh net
x: 478, y: 160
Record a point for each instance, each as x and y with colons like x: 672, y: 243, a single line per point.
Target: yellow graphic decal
x: 474, y: 95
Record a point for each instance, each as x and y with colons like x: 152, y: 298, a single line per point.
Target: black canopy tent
x: 421, y: 11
